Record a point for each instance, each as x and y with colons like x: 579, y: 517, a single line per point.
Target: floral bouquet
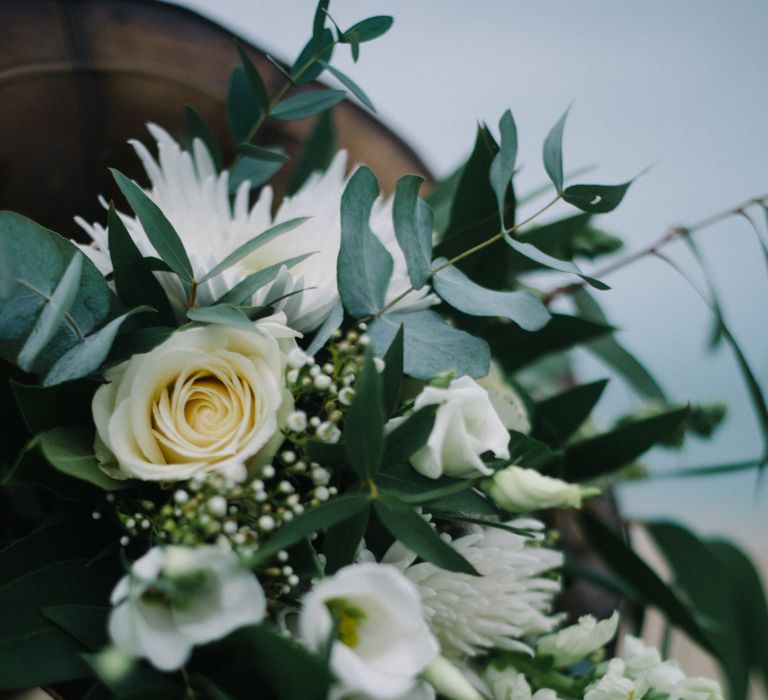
x: 289, y: 448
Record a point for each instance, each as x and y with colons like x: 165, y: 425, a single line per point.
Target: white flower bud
x: 217, y: 505
x: 447, y: 680
x: 519, y: 490
x: 296, y: 421
x: 322, y: 382
x: 578, y: 641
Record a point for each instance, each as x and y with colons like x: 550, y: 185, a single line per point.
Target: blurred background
x: 676, y: 86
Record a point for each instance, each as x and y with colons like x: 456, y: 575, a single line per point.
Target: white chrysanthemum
x: 510, y: 601
x: 195, y: 198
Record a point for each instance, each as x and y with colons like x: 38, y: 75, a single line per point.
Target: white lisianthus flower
x: 195, y: 198
x: 207, y: 399
x: 466, y: 426
x: 519, y: 490
x: 643, y: 663
x: 509, y: 684
x: 578, y: 641
x: 696, y: 689
x: 511, y: 599
x: 383, y: 642
x: 175, y: 598
x: 614, y: 685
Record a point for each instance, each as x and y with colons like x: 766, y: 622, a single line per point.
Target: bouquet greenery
x: 297, y: 449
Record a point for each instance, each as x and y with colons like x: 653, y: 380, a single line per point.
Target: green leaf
x: 531, y: 251
x: 559, y: 416
x: 364, y: 264
x: 596, y: 199
x: 431, y: 345
x: 86, y: 623
x: 614, y: 355
x: 641, y: 582
x: 515, y: 348
x: 713, y: 596
x: 134, y: 281
x: 50, y: 407
x: 222, y: 314
x: 350, y: 84
x: 317, y: 51
x: 607, y: 452
x: 525, y: 451
x: 322, y: 517
x: 474, y: 218
x: 367, y: 29
x: 392, y: 376
x: 254, y: 79
x: 88, y: 356
x: 522, y: 307
x: 364, y: 422
x: 27, y: 637
x: 254, y: 243
x: 308, y: 103
x: 326, y: 330
x: 437, y: 493
x: 56, y: 307
x: 710, y: 470
x: 259, y: 661
x: 70, y: 451
x: 552, y: 153
x: 409, y: 436
x: 198, y: 129
x: 275, y: 154
x: 440, y: 199
x: 243, y: 108
x: 318, y: 151
x: 503, y: 165
x: 257, y: 172
x: 33, y: 261
x: 342, y: 541
x: 139, y: 341
x: 242, y: 292
x: 412, y: 220
x: 159, y: 230
x: 409, y: 527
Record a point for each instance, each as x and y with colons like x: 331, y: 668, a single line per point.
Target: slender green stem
x: 471, y: 251
x: 545, y: 677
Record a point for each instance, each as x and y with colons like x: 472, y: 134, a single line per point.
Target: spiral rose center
x: 204, y: 414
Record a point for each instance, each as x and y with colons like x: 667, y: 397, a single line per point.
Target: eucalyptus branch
x: 673, y: 233
x: 279, y: 95
x: 465, y: 254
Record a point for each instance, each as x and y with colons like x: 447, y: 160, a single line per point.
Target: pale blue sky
x: 681, y: 85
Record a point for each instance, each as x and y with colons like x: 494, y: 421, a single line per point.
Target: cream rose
x: 207, y: 399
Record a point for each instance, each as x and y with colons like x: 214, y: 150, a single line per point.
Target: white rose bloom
x: 519, y: 490
x: 466, y: 426
x: 215, y: 596
x: 383, y: 641
x: 578, y: 641
x: 696, y: 689
x: 613, y: 685
x: 195, y: 198
x: 207, y: 399
x: 511, y: 600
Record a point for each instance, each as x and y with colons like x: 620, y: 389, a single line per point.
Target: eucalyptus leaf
x: 552, y: 153
x: 56, y: 307
x: 198, y: 129
x: 159, y: 230
x: 412, y: 220
x: 28, y: 280
x: 596, y: 199
x: 318, y: 152
x: 431, y: 345
x: 243, y: 107
x: 87, y: 356
x: 350, y: 84
x: 310, y: 63
x: 275, y: 154
x: 503, y: 165
x: 364, y: 264
x: 522, y: 307
x: 254, y: 243
x: 364, y: 422
x: 327, y: 329
x: 135, y: 283
x: 243, y: 291
x: 221, y: 314
x: 368, y: 29
x: 258, y: 88
x: 532, y: 252
x: 256, y: 172
x: 307, y: 103
x: 416, y: 534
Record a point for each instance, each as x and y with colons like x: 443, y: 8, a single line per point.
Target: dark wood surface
x: 78, y: 78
